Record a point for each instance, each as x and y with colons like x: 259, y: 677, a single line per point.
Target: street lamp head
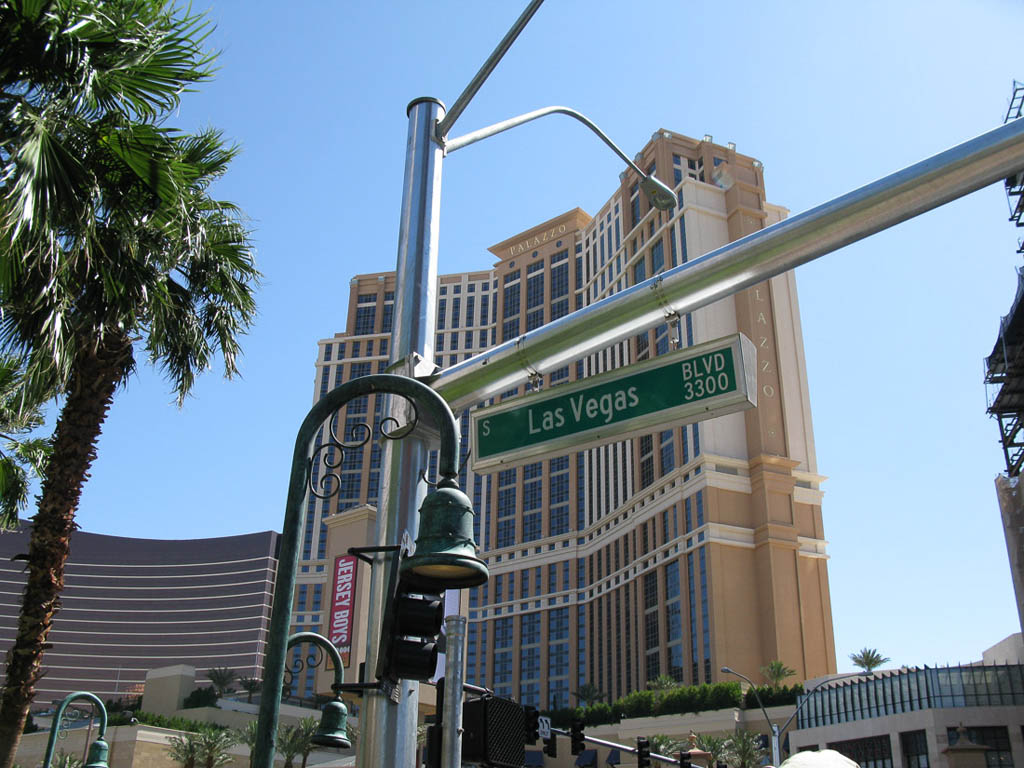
x: 333, y: 729
x: 728, y: 671
x: 445, y: 556
x: 658, y: 193
x: 98, y: 754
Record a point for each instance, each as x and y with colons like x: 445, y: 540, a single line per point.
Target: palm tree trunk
x: 94, y: 380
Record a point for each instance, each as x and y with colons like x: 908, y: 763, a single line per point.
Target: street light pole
x: 776, y: 731
x: 774, y: 728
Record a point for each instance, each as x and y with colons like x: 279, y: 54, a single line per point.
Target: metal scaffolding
x: 1004, y: 367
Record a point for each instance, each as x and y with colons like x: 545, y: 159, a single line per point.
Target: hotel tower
x: 672, y: 553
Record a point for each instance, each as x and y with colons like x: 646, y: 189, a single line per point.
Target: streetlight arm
x: 753, y: 687
x: 661, y: 196
x: 445, y: 124
x: 807, y: 695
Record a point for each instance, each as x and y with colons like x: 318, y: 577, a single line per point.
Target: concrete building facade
x: 674, y: 552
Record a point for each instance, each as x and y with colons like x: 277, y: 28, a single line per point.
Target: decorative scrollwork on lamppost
x: 446, y: 552
x: 99, y: 751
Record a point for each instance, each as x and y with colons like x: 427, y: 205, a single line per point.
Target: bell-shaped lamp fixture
x: 333, y: 729
x: 445, y: 556
x: 99, y: 752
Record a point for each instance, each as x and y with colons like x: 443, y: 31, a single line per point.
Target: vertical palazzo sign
x: 693, y: 384
x: 341, y: 605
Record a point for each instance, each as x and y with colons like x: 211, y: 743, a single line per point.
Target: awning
x: 534, y: 757
x: 613, y: 757
x: 586, y: 758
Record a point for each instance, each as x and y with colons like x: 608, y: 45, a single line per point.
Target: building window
x: 914, y: 745
x: 871, y: 752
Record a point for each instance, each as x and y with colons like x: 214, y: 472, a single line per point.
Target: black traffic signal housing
x: 531, y: 724
x: 551, y: 746
x: 576, y: 737
x: 411, y: 625
x: 643, y: 752
x: 684, y: 760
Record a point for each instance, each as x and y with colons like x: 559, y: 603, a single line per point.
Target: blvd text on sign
x: 697, y: 383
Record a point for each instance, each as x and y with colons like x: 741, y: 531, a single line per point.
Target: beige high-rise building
x: 676, y: 552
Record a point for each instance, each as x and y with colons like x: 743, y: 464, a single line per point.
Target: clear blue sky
x: 829, y: 96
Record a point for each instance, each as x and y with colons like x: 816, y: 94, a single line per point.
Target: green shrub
x: 672, y: 701
x: 161, y: 721
x: 201, y: 697
x: 598, y: 714
x: 772, y: 697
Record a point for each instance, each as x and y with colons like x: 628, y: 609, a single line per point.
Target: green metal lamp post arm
x: 55, y: 724
x: 420, y: 395
x: 328, y: 647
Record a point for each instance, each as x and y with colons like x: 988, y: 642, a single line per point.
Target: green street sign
x: 690, y: 385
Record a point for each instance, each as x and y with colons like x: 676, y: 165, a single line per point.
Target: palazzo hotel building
x: 675, y: 552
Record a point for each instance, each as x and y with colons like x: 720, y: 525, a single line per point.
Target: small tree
x: 589, y: 694
x: 716, y: 746
x: 221, y: 678
x: 744, y: 749
x: 247, y: 736
x: 775, y: 672
x: 65, y: 760
x: 666, y: 745
x: 250, y: 685
x: 663, y: 683
x: 185, y: 749
x: 213, y: 748
x: 868, y: 659
x: 289, y: 744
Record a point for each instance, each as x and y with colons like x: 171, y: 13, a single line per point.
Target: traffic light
x: 643, y: 752
x: 684, y: 760
x: 531, y: 724
x: 576, y: 736
x: 411, y: 625
x: 551, y: 746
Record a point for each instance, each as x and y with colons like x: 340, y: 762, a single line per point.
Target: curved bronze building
x: 132, y: 605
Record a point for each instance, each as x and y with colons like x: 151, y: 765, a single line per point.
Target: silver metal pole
x: 389, y: 728
x: 725, y: 271
x: 447, y: 121
x: 775, y: 744
x: 454, y: 677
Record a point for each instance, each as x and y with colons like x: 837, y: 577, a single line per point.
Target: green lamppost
x: 333, y: 729
x: 445, y: 555
x: 99, y: 751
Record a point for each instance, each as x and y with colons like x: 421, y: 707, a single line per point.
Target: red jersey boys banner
x: 341, y: 605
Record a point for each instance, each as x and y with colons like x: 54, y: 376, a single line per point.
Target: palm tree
x: 65, y: 760
x: 663, y: 683
x: 184, y: 749
x: 21, y: 456
x: 213, y: 748
x: 221, y: 678
x: 868, y: 659
x: 247, y: 736
x: 250, y: 685
x: 303, y: 734
x: 744, y: 749
x: 775, y: 672
x: 110, y: 244
x: 589, y: 694
x: 289, y: 744
x: 716, y: 746
x: 666, y: 745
